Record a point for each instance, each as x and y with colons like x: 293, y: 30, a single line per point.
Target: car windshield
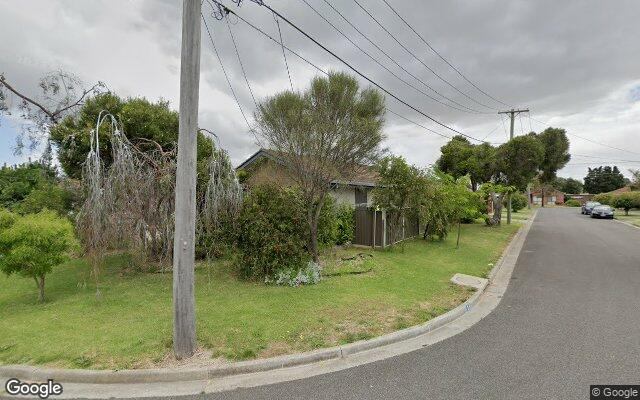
x: 604, y: 208
x: 592, y: 203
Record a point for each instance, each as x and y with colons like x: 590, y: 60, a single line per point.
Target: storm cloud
x: 575, y: 64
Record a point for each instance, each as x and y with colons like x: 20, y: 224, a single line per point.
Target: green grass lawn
x: 129, y: 326
x: 633, y: 217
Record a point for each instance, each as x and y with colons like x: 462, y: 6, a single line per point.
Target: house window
x: 361, y: 196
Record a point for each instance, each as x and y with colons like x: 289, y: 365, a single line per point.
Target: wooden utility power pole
x: 184, y: 318
x: 512, y: 113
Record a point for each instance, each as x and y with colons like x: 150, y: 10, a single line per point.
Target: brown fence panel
x: 364, y: 226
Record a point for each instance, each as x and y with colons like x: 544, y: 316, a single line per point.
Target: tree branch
x: 27, y: 99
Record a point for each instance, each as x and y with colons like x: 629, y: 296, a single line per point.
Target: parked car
x: 602, y: 211
x: 588, y: 206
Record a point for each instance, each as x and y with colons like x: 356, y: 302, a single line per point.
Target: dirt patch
x: 201, y: 358
x: 276, y: 349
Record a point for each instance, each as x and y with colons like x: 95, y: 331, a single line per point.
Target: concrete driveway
x: 570, y: 318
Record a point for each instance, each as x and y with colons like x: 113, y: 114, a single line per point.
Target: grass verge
x: 633, y: 217
x: 367, y: 293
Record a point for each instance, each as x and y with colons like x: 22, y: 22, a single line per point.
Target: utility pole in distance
x: 184, y: 317
x: 512, y: 113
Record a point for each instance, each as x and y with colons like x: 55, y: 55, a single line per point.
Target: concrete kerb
x: 31, y: 373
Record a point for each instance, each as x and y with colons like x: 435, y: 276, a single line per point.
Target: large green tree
x: 323, y: 134
x: 149, y: 126
x: 568, y: 185
x: 556, y: 154
x: 603, y: 179
x: 459, y: 158
x: 517, y: 162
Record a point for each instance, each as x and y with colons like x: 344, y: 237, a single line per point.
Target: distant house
x: 551, y: 196
x: 581, y: 197
x: 371, y: 226
x: 265, y: 166
x: 624, y: 189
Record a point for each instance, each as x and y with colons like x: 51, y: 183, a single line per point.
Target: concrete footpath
x: 159, y: 383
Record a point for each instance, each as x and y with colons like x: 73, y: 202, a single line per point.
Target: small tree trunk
x: 508, y: 208
x: 314, y: 215
x: 626, y: 211
x: 458, y: 239
x: 529, y: 197
x: 40, y: 283
x: 426, y: 231
x: 497, y: 209
x: 542, y: 193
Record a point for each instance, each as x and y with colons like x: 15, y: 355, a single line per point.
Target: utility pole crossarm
x: 523, y: 110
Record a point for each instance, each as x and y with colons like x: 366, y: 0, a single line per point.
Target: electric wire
x: 372, y: 58
x: 393, y: 60
x: 362, y: 75
x: 225, y: 72
x: 244, y: 73
x: 419, y: 59
x: 284, y: 55
x: 302, y: 58
x: 441, y: 57
x: 591, y: 140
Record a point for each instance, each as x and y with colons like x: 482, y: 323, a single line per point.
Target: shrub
x: 32, y: 245
x: 518, y: 202
x: 476, y: 208
x: 336, y: 224
x: 346, y: 219
x: 304, y: 276
x: 328, y: 223
x: 627, y: 201
x: 572, y: 203
x: 272, y: 233
x: 603, y: 198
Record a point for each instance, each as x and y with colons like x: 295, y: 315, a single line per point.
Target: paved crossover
x: 570, y: 318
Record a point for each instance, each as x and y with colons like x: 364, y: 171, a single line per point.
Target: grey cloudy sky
x: 575, y: 64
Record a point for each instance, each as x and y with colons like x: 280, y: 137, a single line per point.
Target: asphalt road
x: 570, y: 318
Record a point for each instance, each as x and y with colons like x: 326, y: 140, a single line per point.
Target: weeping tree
x: 129, y: 201
x: 326, y: 133
x: 219, y: 205
x: 129, y: 204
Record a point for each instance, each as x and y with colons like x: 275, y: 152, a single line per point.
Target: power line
x: 603, y: 158
x: 470, y: 110
x: 362, y: 75
x: 441, y: 57
x: 284, y: 55
x: 235, y: 46
x: 326, y: 73
x: 493, y: 130
x: 225, y: 72
x: 590, y: 140
x: 419, y: 59
x: 396, y: 62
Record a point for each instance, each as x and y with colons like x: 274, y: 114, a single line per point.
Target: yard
x: 129, y: 326
x: 633, y: 217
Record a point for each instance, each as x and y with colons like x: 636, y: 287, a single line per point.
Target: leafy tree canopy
x: 603, y: 179
x: 518, y: 160
x: 459, y: 158
x: 556, y: 153
x: 149, y: 126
